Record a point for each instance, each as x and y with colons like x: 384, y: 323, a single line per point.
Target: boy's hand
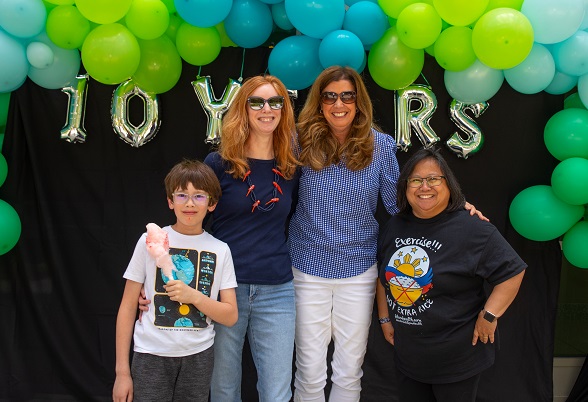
x: 180, y: 292
x: 143, y: 303
x: 123, y: 388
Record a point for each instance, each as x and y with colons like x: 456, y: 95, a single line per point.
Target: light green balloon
x: 172, y: 29
x: 67, y: 27
x: 147, y: 19
x: 502, y: 38
x: 103, y: 11
x: 198, y: 46
x: 460, y: 12
x: 392, y: 8
x: 516, y: 4
x: 11, y: 227
x: 574, y: 245
x: 453, y: 49
x: 538, y: 214
x: 418, y: 25
x: 392, y: 64
x: 160, y: 66
x: 111, y: 54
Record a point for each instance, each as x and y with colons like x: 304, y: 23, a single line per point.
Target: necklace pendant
x: 251, y: 187
x: 276, y: 171
x: 272, y: 201
x: 255, y: 204
x: 277, y: 186
x: 246, y: 174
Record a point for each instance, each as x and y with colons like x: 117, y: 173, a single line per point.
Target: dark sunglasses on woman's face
x: 330, y: 98
x: 257, y: 102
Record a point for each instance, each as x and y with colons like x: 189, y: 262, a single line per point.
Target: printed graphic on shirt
x: 194, y: 269
x: 409, y: 277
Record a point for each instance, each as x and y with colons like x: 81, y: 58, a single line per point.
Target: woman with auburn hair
x: 257, y: 168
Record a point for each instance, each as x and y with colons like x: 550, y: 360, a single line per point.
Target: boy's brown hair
x: 199, y: 174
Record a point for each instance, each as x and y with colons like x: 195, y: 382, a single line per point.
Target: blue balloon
x: 13, y: 63
x: 23, y: 18
x: 203, y: 13
x: 63, y: 70
x: 295, y: 61
x: 316, y: 18
x: 352, y: 2
x: 249, y: 24
x: 341, y: 48
x: 280, y: 17
x: 367, y: 20
x: 571, y: 55
x: 561, y: 83
x: 553, y: 21
x: 534, y: 73
x: 475, y: 84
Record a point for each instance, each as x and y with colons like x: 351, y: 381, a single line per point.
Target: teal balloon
x: 477, y: 83
x: 13, y: 63
x: 249, y: 24
x: 536, y: 213
x: 23, y: 18
x: 316, y: 18
x: 3, y: 168
x: 571, y: 55
x: 280, y: 17
x: 553, y: 20
x: 561, y: 83
x: 574, y: 245
x: 534, y: 73
x: 295, y: 61
x: 203, y: 13
x: 341, y: 48
x: 569, y: 181
x: 566, y: 134
x: 63, y: 70
x: 366, y: 20
x: 11, y: 227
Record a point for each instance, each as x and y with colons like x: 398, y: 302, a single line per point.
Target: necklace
x: 268, y: 206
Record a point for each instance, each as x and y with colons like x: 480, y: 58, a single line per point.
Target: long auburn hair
x: 235, y: 130
x: 319, y: 148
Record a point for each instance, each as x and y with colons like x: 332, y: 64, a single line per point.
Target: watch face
x: 489, y: 316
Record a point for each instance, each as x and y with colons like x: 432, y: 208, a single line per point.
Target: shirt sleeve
x: 499, y: 261
x: 136, y: 268
x: 389, y: 174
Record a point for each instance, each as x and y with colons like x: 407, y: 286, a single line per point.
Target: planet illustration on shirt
x: 184, y: 269
x: 408, y: 275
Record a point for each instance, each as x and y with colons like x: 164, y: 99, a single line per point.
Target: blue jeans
x: 267, y: 314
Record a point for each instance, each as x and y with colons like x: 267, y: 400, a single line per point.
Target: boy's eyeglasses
x: 329, y: 98
x: 199, y: 199
x: 432, y: 181
x: 257, y: 102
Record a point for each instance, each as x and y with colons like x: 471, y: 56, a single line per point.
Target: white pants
x: 337, y: 309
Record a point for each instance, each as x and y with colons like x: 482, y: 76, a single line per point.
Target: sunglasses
x: 258, y: 103
x: 329, y: 98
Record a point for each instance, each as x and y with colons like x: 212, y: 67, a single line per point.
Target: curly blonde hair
x: 235, y: 130
x: 319, y: 148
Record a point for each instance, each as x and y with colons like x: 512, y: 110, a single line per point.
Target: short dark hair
x: 456, y: 197
x: 199, y: 174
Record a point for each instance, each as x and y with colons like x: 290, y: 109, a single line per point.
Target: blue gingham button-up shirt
x: 333, y: 232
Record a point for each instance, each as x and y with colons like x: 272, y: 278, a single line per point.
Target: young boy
x: 173, y: 353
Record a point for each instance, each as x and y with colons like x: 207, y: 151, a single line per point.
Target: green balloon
x: 569, y: 181
x: 1, y: 140
x: 392, y: 64
x: 67, y: 27
x: 198, y: 46
x: 172, y: 29
x: 574, y: 245
x: 4, y: 103
x: 460, y: 12
x: 537, y: 214
x: 418, y: 25
x: 502, y: 38
x: 392, y: 8
x: 103, y: 11
x: 453, y: 49
x: 147, y: 19
x: 516, y: 4
x: 111, y: 54
x: 3, y: 168
x: 160, y: 66
x: 11, y: 227
x: 574, y: 101
x: 566, y: 134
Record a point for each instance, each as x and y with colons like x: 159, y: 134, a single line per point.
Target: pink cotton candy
x: 158, y: 248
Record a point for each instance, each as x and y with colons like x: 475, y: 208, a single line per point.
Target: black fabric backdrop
x: 83, y: 207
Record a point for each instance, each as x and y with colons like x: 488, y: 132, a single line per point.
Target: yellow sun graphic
x: 405, y: 289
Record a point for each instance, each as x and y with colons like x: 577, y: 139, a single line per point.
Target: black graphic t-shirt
x: 433, y: 271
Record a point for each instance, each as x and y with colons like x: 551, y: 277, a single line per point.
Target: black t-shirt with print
x: 433, y: 271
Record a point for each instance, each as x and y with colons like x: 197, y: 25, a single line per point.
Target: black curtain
x: 84, y: 205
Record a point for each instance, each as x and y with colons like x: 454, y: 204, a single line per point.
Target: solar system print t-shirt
x: 433, y: 272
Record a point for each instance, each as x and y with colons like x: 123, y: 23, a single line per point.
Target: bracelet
x: 384, y: 320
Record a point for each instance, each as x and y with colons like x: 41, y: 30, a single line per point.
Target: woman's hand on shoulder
x: 473, y: 211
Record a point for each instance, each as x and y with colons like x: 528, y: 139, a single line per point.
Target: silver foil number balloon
x: 214, y: 108
x: 74, y: 130
x: 131, y: 134
x: 418, y: 118
x: 474, y: 138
